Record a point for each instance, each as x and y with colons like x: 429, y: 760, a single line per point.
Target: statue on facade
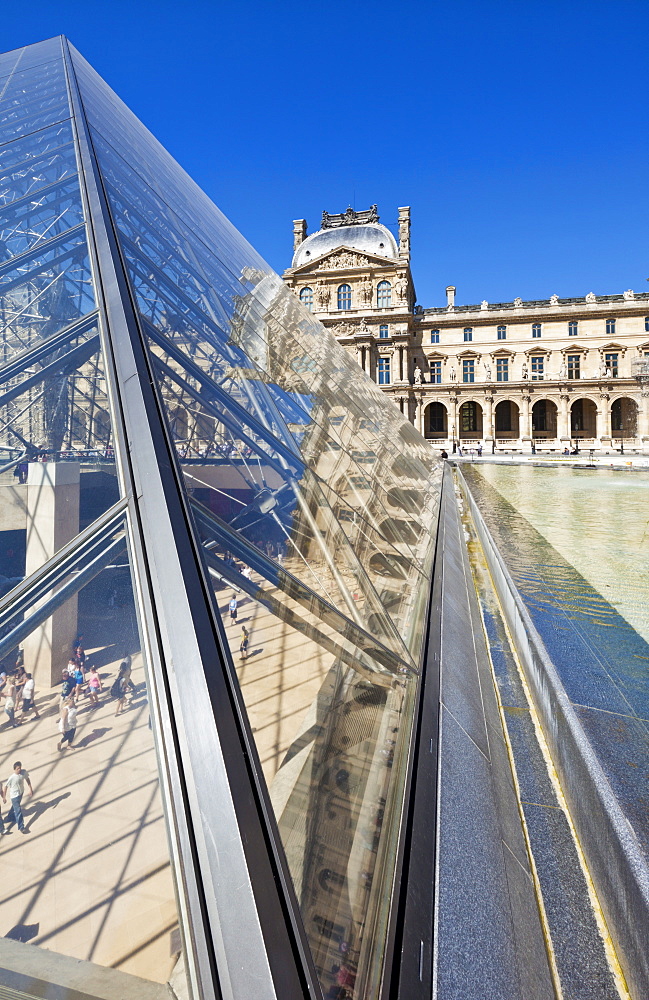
x: 401, y: 287
x: 524, y: 371
x: 487, y: 371
x: 418, y: 375
x: 518, y: 302
x: 322, y: 294
x: 601, y: 371
x: 373, y: 214
x: 484, y: 305
x: 563, y: 370
x: 363, y: 328
x: 452, y: 374
x: 554, y: 300
x: 367, y: 290
x: 629, y: 294
x: 591, y: 297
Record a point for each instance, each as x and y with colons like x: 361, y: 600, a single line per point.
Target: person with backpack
x: 120, y: 687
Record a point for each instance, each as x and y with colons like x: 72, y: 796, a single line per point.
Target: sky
x: 516, y: 131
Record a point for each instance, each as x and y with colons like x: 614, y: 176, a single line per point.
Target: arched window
x: 383, y: 294
x: 344, y: 297
x: 306, y: 298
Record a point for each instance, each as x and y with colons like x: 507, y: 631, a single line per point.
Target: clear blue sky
x: 516, y: 131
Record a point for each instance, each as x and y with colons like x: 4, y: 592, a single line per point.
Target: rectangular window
x: 572, y: 328
x: 611, y: 363
x: 502, y: 369
x: 468, y: 333
x: 502, y: 333
x: 574, y: 366
x: 610, y: 327
x: 384, y: 331
x: 504, y: 417
x: 434, y: 336
x: 436, y: 372
x: 469, y: 417
x: 537, y: 369
x: 384, y: 371
x: 536, y: 331
x: 468, y: 370
x: 646, y: 324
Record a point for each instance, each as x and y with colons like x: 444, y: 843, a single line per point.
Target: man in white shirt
x: 15, y: 785
x: 28, y: 697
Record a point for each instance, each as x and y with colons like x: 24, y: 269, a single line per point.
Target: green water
x: 597, y: 520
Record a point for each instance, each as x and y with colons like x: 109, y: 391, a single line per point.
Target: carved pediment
x: 343, y: 329
x: 343, y: 258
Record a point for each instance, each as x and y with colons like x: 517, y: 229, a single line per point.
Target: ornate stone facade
x: 547, y: 375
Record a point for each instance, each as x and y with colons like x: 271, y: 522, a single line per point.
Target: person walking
x: 67, y: 723
x: 15, y: 786
x: 243, y: 645
x: 121, y: 686
x: 233, y: 608
x: 10, y: 702
x: 29, y: 695
x: 94, y: 685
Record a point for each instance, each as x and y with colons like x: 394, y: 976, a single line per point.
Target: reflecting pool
x: 576, y: 544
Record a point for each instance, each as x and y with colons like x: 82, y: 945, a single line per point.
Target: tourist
x: 243, y: 645
x: 29, y: 703
x: 94, y: 685
x: 15, y: 785
x: 443, y: 454
x: 67, y: 723
x: 10, y: 701
x: 120, y: 687
x: 233, y: 608
x: 68, y: 682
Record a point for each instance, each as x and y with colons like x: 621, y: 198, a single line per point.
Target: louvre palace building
x: 545, y: 375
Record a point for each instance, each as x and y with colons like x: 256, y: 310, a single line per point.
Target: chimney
x: 450, y: 295
x: 299, y: 232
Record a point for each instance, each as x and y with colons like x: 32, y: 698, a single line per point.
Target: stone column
x: 643, y: 419
x: 603, y: 425
x: 525, y: 425
x: 419, y: 422
x: 453, y: 429
x: 488, y: 421
x: 563, y: 430
x: 52, y: 520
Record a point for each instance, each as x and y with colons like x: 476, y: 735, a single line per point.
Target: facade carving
x: 554, y: 374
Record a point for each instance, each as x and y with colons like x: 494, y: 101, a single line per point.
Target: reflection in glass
x: 316, y: 510
x: 98, y: 883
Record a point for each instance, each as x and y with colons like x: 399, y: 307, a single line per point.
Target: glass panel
x: 43, y: 291
x: 331, y: 730
x: 57, y: 468
x: 81, y: 776
x: 315, y: 505
x: 39, y: 196
x: 32, y: 99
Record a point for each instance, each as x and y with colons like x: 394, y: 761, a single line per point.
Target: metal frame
x: 240, y: 891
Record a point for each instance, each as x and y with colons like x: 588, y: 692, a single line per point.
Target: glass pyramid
x: 215, y: 561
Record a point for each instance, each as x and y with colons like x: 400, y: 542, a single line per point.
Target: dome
x: 369, y: 238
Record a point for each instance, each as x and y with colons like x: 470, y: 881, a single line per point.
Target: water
x: 576, y: 544
x: 597, y: 520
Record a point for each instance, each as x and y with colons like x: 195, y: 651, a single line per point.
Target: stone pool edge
x: 617, y: 865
